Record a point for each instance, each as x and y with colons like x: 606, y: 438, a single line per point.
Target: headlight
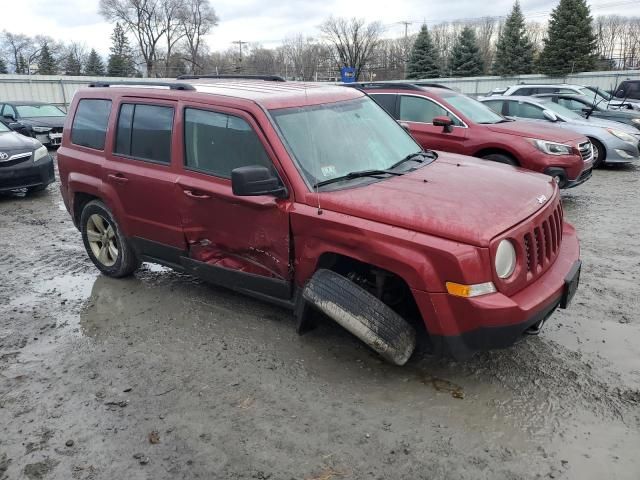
x: 625, y: 137
x: 552, y: 148
x: 505, y: 259
x: 40, y: 153
x: 41, y: 129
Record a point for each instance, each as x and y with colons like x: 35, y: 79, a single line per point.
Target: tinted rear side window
x: 89, y: 127
x: 144, y: 132
x: 388, y: 102
x: 217, y: 143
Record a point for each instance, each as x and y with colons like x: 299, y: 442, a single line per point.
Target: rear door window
x: 216, y: 143
x: 144, y: 132
x: 89, y: 128
x: 386, y: 101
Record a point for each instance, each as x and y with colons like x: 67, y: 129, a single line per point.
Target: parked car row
x: 313, y: 197
x: 26, y: 130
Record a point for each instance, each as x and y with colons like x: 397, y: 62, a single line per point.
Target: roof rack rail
x: 269, y: 78
x: 370, y: 85
x: 170, y: 85
x: 432, y: 85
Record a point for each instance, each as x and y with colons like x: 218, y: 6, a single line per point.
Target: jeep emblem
x: 3, y: 156
x: 541, y: 199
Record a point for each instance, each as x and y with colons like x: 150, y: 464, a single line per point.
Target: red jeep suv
x: 442, y: 119
x: 313, y: 197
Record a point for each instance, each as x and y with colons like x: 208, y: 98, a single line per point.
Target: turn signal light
x: 467, y: 291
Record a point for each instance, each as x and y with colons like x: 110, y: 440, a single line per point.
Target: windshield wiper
x: 416, y: 157
x: 358, y: 174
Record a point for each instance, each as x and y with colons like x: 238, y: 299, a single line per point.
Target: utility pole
x: 240, y: 43
x: 406, y: 44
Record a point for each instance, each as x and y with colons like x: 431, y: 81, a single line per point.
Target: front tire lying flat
x: 106, y: 246
x: 362, y: 314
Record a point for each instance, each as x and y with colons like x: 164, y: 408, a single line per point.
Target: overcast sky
x: 268, y: 22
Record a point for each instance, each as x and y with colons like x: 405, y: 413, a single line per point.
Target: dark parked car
x: 311, y: 196
x: 39, y: 120
x: 588, y: 109
x: 24, y: 162
x: 628, y: 89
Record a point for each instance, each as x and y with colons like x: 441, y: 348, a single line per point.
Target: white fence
x: 59, y: 90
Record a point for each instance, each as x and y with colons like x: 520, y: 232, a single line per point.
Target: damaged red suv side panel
x: 312, y: 196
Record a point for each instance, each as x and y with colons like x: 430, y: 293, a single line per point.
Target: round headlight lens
x: 505, y: 259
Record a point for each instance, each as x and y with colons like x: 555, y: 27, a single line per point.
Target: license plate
x: 571, y: 283
x: 55, y: 135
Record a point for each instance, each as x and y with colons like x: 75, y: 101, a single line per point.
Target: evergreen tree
x: 424, y: 61
x: 570, y: 45
x: 46, y: 63
x: 22, y: 68
x: 72, y: 65
x: 94, y: 67
x: 3, y: 66
x: 514, y: 50
x: 120, y: 63
x: 466, y: 60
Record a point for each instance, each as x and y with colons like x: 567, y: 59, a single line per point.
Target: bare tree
x: 144, y: 19
x: 536, y: 32
x: 352, y: 41
x: 16, y: 45
x: 198, y: 19
x: 303, y: 57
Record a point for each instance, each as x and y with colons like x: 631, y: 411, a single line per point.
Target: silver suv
x: 600, y: 96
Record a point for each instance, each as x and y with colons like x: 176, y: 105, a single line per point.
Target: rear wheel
x: 599, y: 153
x: 501, y: 158
x: 108, y: 249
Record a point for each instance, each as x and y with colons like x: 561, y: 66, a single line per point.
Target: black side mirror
x: 256, y: 180
x: 445, y: 122
x: 9, y: 116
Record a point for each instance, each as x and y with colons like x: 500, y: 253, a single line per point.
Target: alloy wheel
x: 102, y: 240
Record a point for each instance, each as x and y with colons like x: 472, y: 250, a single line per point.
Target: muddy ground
x: 161, y: 376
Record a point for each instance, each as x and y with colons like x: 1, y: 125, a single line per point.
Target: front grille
x: 15, y: 159
x: 542, y: 242
x: 586, y: 151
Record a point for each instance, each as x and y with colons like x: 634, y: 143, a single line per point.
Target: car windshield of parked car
x: 34, y: 111
x: 332, y: 140
x: 474, y: 110
x: 560, y: 110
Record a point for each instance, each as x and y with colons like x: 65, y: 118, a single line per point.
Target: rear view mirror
x: 443, y: 121
x: 549, y: 115
x: 256, y: 180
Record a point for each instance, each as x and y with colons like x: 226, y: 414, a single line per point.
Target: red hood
x: 463, y: 199
x: 523, y: 128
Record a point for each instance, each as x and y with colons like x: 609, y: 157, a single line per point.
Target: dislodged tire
x: 107, y: 247
x: 362, y: 314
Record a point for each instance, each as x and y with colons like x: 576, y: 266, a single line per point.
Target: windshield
x: 592, y: 91
x: 474, y: 110
x: 331, y: 140
x: 39, y: 111
x: 560, y: 110
x: 3, y: 128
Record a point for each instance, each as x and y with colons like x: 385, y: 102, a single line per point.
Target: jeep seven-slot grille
x: 542, y: 242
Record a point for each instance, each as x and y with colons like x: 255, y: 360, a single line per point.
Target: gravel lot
x: 161, y: 376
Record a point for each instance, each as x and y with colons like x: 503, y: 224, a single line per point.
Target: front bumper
x: 460, y: 326
x: 566, y: 182
x: 27, y: 174
x: 51, y: 139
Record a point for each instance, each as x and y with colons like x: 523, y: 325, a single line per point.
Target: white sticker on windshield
x: 329, y: 171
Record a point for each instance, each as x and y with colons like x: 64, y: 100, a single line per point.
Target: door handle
x: 196, y: 195
x: 118, y: 178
